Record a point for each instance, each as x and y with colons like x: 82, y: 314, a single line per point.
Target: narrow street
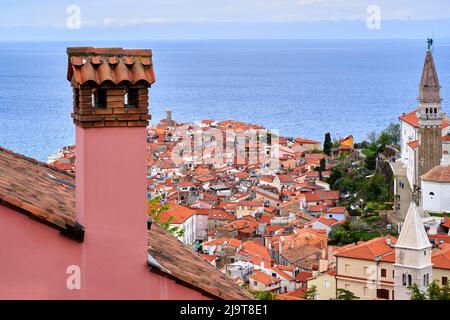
x: 403, y: 192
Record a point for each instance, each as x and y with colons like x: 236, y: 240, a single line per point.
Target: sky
x: 221, y: 19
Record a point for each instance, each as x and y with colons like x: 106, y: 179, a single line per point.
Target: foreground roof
x: 48, y: 194
x: 41, y: 191
x: 179, y: 261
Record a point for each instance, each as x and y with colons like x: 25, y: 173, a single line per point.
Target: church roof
x: 439, y: 173
x: 429, y: 83
x: 413, y: 234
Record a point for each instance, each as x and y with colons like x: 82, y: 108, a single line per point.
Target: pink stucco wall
x: 111, y: 204
x: 34, y: 259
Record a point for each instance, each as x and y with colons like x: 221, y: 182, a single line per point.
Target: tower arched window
x: 404, y: 279
x: 409, y: 280
x: 435, y: 111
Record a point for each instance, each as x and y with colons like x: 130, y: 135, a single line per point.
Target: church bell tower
x: 429, y: 116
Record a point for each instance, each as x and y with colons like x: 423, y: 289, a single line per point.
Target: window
x: 99, y: 98
x: 444, y: 281
x: 255, y: 283
x: 131, y: 98
x: 432, y: 193
x: 409, y: 280
x: 404, y: 279
x: 326, y: 284
x: 393, y: 274
x: 383, y: 273
x: 346, y: 286
x: 383, y: 294
x: 347, y: 268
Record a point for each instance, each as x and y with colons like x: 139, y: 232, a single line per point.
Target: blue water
x: 301, y: 87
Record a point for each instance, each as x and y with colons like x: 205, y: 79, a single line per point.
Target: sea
x: 303, y: 88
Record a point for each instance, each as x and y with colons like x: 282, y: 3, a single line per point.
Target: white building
x: 436, y: 187
x: 424, y: 139
x: 412, y: 256
x: 183, y: 218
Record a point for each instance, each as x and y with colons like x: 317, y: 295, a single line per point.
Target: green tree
x: 156, y: 208
x: 343, y: 294
x: 433, y: 292
x: 372, y: 136
x: 327, y: 145
x: 416, y: 294
x: 335, y: 176
x: 264, y: 295
x: 371, y: 161
x: 311, y: 293
x: 393, y: 133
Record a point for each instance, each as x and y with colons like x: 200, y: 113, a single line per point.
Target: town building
x: 424, y: 136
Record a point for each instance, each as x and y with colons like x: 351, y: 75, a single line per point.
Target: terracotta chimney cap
x: 85, y: 66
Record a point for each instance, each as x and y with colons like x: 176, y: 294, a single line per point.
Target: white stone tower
x: 412, y: 256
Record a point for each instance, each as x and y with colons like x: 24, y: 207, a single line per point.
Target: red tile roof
x: 441, y: 258
x: 437, y: 174
x: 413, y: 144
x: 176, y: 214
x: 307, y: 141
x: 256, y: 252
x: 115, y: 65
x: 263, y: 278
x: 37, y: 189
x: 370, y: 250
x: 446, y: 222
x: 303, y: 276
x: 336, y: 210
x: 179, y: 261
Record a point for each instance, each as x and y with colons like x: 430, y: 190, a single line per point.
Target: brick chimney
x: 110, y: 112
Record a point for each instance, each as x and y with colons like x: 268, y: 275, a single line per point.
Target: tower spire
x: 429, y: 88
x: 413, y: 235
x: 412, y: 256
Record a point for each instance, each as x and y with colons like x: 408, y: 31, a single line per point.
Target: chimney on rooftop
x: 110, y: 112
